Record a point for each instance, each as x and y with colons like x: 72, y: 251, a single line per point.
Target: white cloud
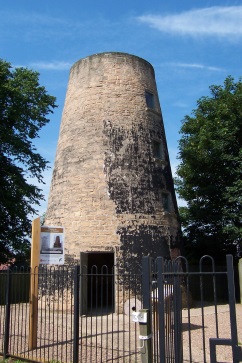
x: 31, y: 18
x: 213, y: 21
x: 53, y: 66
x: 32, y: 26
x: 196, y: 66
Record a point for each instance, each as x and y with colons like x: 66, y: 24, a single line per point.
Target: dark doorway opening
x: 97, y: 283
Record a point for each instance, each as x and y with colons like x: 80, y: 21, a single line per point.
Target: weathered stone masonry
x: 112, y: 186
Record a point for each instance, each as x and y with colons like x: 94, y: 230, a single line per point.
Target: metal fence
x: 81, y: 316
x: 191, y: 321
x: 85, y: 315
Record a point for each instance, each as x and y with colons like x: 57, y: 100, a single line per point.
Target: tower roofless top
x: 112, y: 55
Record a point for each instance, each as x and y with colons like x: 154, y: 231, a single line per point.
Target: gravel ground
x: 115, y: 338
x: 224, y: 353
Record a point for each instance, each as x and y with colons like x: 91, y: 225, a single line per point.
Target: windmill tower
x: 112, y: 185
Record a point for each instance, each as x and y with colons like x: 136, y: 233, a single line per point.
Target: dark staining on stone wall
x: 141, y: 241
x: 135, y: 181
x: 134, y: 178
x: 176, y: 241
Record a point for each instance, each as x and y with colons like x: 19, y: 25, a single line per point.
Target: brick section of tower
x: 109, y: 189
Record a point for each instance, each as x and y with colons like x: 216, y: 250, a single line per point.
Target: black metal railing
x: 185, y: 303
x: 84, y: 314
x: 81, y: 315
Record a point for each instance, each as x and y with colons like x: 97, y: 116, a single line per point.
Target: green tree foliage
x: 24, y: 105
x: 209, y: 173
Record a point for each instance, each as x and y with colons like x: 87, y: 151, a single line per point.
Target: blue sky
x: 191, y: 44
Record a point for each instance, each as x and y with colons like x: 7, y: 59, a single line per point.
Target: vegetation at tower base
x: 209, y: 175
x: 24, y: 105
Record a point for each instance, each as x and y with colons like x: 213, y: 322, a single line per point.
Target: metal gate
x: 173, y: 292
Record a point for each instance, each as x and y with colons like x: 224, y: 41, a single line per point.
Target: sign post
x: 33, y: 298
x: 47, y: 248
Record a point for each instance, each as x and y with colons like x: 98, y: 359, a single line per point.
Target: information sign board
x: 51, y: 245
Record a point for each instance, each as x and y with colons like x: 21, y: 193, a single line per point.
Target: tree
x: 209, y: 174
x: 24, y: 105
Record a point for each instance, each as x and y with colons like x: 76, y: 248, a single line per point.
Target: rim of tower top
x: 113, y: 54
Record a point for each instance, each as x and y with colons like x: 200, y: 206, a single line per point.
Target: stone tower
x: 112, y: 185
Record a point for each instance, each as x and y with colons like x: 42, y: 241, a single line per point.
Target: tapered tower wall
x: 112, y: 186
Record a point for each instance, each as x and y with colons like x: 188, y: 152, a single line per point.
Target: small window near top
x: 157, y: 149
x: 166, y: 201
x: 149, y: 99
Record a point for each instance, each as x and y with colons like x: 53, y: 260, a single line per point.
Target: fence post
x: 240, y: 278
x: 146, y: 328
x: 76, y: 314
x: 233, y: 323
x: 7, y: 314
x: 161, y: 309
x: 146, y: 283
x: 177, y: 302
